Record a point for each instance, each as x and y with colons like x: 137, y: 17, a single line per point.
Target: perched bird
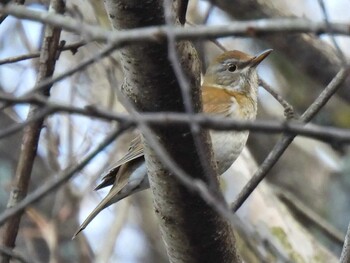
x: 229, y: 89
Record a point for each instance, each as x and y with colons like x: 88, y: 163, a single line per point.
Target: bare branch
x: 72, y: 47
x: 256, y: 28
x: 329, y: 135
x: 288, y: 109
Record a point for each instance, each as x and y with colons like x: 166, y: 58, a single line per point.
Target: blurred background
x: 312, y: 173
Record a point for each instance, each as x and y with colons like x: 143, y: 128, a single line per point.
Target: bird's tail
x: 115, y: 194
x: 107, y: 201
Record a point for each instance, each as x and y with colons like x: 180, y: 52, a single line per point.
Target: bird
x: 229, y: 89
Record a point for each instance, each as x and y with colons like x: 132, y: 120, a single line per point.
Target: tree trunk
x: 191, y: 229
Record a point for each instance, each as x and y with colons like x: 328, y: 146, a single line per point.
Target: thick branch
x: 192, y: 230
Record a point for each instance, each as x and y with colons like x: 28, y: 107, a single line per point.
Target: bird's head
x: 235, y: 71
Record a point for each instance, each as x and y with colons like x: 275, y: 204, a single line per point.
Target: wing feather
x: 135, y: 151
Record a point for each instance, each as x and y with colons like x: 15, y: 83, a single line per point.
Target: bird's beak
x: 257, y: 59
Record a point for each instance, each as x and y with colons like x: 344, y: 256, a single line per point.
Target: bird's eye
x: 232, y: 68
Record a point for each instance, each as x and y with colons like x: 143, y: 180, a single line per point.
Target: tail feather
x: 107, y: 201
x: 134, y: 179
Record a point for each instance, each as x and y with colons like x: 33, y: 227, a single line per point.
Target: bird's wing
x: 135, y: 151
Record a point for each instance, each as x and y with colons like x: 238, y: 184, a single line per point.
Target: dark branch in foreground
x: 329, y: 135
x: 256, y: 28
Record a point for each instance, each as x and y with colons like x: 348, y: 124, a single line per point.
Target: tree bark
x: 191, y: 229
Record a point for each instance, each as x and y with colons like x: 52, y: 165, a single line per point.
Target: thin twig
x: 56, y: 181
x: 284, y: 142
x: 288, y: 109
x: 72, y: 47
x: 214, y: 41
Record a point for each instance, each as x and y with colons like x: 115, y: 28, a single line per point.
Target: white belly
x: 227, y: 146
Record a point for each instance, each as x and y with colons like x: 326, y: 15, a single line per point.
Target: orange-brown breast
x: 220, y: 101
x: 216, y: 101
